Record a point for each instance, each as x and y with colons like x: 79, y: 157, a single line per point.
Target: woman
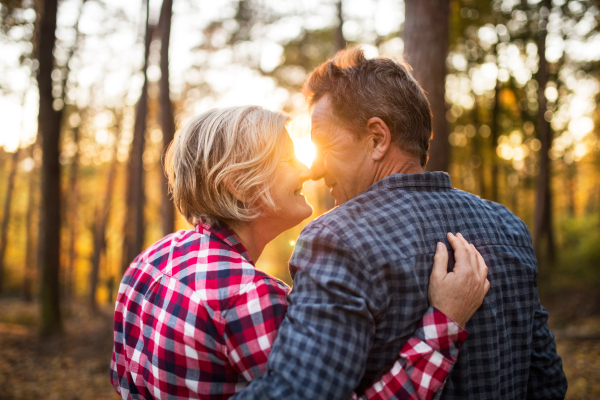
x: 195, y: 319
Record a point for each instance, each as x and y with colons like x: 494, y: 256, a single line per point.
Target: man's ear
x: 381, y: 137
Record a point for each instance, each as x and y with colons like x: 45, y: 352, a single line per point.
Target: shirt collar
x: 226, y: 235
x: 431, y: 180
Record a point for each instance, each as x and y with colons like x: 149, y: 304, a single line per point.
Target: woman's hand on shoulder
x: 458, y: 294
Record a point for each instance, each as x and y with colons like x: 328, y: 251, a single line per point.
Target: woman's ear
x: 380, y: 136
x: 235, y: 192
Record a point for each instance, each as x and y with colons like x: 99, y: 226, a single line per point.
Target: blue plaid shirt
x: 361, y: 274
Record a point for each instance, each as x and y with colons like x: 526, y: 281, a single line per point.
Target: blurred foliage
x: 580, y: 250
x: 492, y: 102
x: 491, y: 94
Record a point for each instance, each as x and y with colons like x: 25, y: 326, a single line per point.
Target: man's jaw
x: 331, y: 187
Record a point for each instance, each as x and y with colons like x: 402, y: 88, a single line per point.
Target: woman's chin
x: 309, y: 211
x: 303, y: 212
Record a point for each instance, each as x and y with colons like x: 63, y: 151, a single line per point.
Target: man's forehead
x: 322, y: 108
x: 320, y: 119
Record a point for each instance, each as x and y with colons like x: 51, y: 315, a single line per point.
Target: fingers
x: 481, y: 265
x: 473, y: 258
x: 461, y: 250
x: 440, y: 261
x: 454, y: 241
x: 461, y: 293
x: 470, y: 250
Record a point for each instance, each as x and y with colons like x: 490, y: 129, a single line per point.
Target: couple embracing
x: 387, y: 302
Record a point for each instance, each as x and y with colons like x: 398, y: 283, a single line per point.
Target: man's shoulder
x: 403, y: 212
x: 351, y: 215
x: 509, y: 223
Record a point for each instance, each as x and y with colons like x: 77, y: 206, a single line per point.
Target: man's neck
x: 397, y: 162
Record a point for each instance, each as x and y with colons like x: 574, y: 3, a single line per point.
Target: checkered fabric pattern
x: 361, y: 274
x: 195, y: 319
x: 426, y: 359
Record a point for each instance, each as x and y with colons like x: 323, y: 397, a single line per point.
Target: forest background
x: 92, y: 92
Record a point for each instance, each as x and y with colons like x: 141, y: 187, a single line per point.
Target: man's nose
x: 317, y: 169
x: 305, y: 172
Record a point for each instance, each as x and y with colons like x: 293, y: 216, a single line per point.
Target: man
x: 361, y: 271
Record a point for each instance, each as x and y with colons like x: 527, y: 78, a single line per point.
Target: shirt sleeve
x: 324, y: 341
x: 251, y: 324
x: 546, y: 377
x: 425, y: 361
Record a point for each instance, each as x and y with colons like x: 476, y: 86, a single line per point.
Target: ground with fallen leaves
x: 75, y: 366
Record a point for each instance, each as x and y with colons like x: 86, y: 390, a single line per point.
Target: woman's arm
x: 427, y: 358
x: 250, y: 327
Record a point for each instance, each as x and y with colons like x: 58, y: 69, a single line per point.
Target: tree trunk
x: 495, y: 135
x: 571, y: 188
x: 592, y: 200
x: 73, y: 218
x: 543, y: 209
x: 99, y: 244
x: 6, y: 214
x: 477, y: 152
x: 49, y: 128
x: 426, y: 30
x: 340, y: 42
x: 102, y: 215
x: 514, y: 198
x: 166, y: 108
x: 30, y: 252
x: 134, y: 221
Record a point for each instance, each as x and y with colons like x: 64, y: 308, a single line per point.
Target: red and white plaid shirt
x: 195, y: 319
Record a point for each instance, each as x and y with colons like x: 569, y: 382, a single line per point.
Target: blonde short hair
x: 222, y: 164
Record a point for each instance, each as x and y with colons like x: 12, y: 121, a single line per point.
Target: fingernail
x: 439, y: 245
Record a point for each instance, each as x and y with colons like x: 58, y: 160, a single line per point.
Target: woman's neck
x: 255, y: 235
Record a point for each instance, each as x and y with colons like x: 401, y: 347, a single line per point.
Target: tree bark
x: 495, y: 135
x: 30, y: 252
x: 340, y: 42
x: 73, y: 202
x: 73, y: 214
x: 543, y: 209
x: 6, y: 214
x: 571, y: 172
x: 593, y: 200
x: 102, y: 214
x: 49, y: 121
x: 166, y: 108
x: 426, y: 30
x: 478, y: 153
x: 134, y: 221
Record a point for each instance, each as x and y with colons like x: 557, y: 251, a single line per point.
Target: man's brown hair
x: 359, y: 89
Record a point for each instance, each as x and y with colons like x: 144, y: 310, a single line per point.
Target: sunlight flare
x: 299, y: 130
x: 305, y: 150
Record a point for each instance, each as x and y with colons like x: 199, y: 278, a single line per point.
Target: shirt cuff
x: 441, y: 333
